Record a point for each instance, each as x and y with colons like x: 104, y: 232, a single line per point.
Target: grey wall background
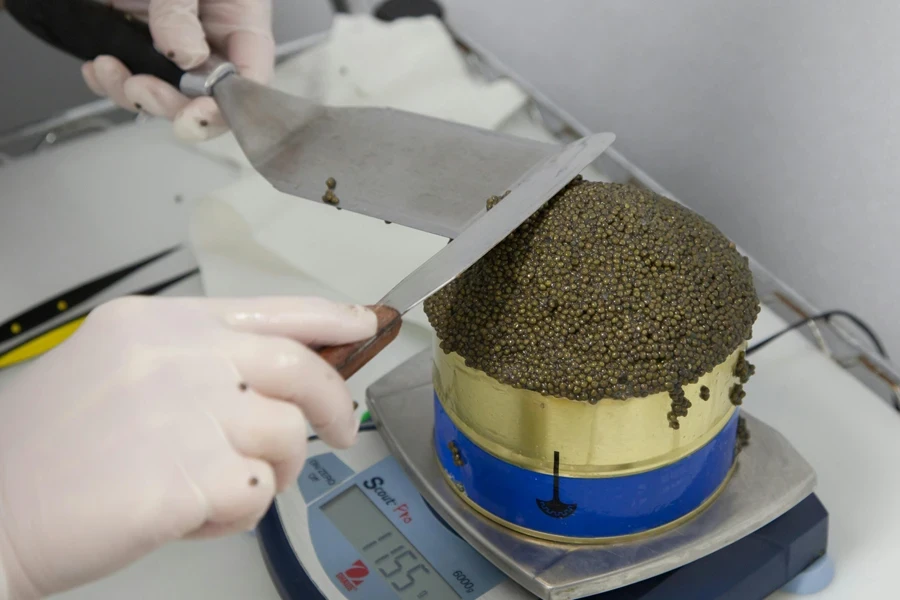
x: 777, y: 120
x: 35, y: 81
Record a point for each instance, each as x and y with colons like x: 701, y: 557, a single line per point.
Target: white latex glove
x: 186, y: 30
x: 162, y: 419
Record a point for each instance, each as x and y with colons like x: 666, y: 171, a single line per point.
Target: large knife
x: 407, y: 168
x: 525, y: 197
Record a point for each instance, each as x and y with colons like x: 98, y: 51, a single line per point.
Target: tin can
x: 576, y: 472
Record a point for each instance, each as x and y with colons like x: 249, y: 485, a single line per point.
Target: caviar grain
x: 743, y: 370
x: 736, y: 395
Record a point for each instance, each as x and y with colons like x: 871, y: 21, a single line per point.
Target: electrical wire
x: 825, y: 316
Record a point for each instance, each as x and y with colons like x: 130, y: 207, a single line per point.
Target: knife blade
x: 489, y: 228
x: 396, y: 165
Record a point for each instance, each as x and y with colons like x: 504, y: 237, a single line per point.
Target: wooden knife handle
x: 350, y: 358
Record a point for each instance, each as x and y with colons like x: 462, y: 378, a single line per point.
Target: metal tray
x: 771, y: 478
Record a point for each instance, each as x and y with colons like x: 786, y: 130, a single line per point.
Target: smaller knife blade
x: 525, y: 197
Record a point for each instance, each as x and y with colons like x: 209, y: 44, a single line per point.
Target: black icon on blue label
x: 555, y: 507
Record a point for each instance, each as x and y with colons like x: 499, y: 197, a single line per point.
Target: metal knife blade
x: 487, y: 230
x: 406, y: 168
x: 526, y: 196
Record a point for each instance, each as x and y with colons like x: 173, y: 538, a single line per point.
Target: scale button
x: 321, y: 473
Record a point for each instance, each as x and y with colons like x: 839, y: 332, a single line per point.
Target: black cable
x: 391, y: 10
x: 825, y: 316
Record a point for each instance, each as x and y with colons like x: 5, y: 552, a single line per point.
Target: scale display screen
x: 383, y: 546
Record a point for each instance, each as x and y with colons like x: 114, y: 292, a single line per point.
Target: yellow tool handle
x: 41, y: 344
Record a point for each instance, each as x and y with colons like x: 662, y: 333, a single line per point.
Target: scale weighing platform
x: 380, y: 522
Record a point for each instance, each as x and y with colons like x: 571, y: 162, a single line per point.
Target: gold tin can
x: 611, y: 438
x: 574, y: 472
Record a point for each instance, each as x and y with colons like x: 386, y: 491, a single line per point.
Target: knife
x: 46, y: 341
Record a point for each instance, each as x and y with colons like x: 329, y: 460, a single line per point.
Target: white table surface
x: 846, y: 432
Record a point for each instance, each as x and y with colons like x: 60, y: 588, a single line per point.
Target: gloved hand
x: 162, y: 419
x: 185, y: 30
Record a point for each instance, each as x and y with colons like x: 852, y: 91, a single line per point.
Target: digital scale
x: 380, y: 522
x: 327, y: 537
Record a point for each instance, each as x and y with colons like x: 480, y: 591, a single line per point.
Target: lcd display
x: 384, y: 549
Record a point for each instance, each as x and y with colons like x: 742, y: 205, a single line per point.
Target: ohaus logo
x: 353, y: 577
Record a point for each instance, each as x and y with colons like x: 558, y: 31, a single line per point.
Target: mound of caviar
x: 608, y: 291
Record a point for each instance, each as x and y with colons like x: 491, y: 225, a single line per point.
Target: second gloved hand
x: 187, y: 31
x: 162, y: 419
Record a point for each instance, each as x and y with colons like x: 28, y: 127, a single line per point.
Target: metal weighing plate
x: 771, y: 478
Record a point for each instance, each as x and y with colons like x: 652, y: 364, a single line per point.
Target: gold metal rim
x: 610, y: 439
x: 590, y: 472
x: 569, y: 541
